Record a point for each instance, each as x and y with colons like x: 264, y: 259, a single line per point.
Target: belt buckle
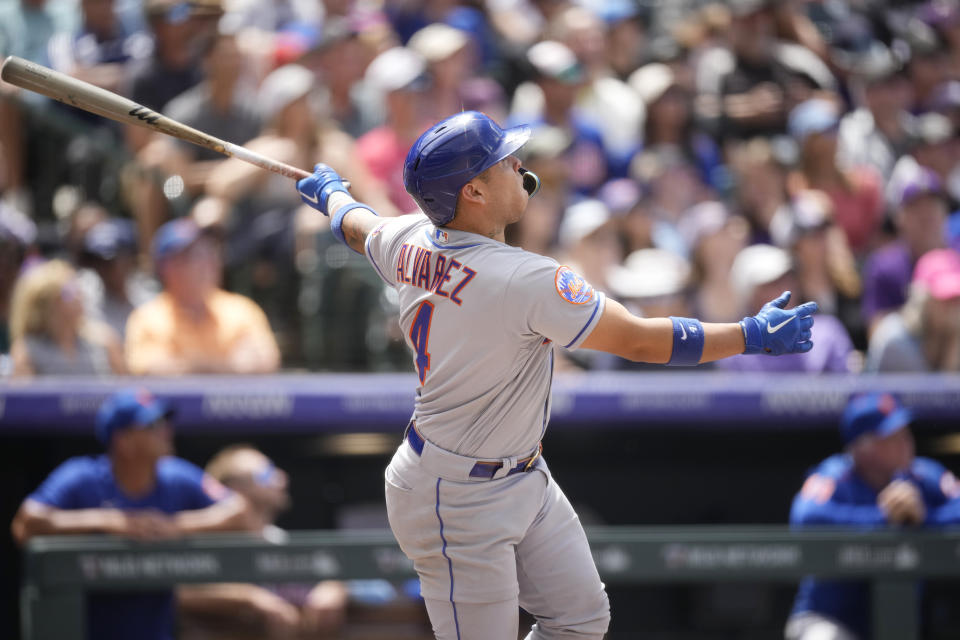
x: 533, y: 458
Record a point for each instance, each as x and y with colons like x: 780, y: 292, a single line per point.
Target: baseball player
x: 469, y: 496
x: 876, y: 482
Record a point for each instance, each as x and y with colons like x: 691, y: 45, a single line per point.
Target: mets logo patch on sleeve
x: 572, y: 287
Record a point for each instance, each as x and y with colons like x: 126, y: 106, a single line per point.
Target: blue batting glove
x: 316, y: 190
x: 776, y: 331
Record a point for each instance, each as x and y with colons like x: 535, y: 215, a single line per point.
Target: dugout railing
x: 59, y: 571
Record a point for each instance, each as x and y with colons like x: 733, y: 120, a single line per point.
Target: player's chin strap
x: 531, y: 181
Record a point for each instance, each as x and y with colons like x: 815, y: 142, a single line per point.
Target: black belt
x: 483, y: 468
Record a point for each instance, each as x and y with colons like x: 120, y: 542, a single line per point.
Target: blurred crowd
x: 697, y: 158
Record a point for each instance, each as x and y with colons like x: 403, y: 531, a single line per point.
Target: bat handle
x: 254, y: 158
x: 284, y: 169
x: 300, y: 174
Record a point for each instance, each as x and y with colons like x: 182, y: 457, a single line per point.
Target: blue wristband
x: 336, y: 223
x: 687, y: 342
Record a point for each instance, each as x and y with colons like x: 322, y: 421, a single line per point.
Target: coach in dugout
x: 876, y: 482
x: 138, y: 490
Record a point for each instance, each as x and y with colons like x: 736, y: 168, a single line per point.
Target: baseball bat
x: 83, y: 95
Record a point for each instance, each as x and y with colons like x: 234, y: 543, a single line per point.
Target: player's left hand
x: 316, y: 190
x: 776, y: 331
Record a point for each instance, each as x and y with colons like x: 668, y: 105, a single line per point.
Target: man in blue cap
x: 875, y: 483
x: 136, y: 489
x: 194, y: 326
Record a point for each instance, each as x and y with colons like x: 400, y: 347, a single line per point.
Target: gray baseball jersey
x: 480, y: 317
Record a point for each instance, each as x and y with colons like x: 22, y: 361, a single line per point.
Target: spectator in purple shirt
x: 920, y: 220
x: 924, y: 335
x: 758, y: 270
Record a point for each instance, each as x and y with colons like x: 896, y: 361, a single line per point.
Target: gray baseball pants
x: 483, y: 548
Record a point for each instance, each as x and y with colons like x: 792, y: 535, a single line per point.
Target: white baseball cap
x: 651, y: 81
x: 649, y: 273
x: 582, y: 219
x: 283, y: 86
x: 756, y: 265
x: 394, y: 69
x: 555, y: 60
x: 438, y: 41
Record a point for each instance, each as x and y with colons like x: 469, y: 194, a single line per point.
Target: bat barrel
x: 65, y: 89
x: 83, y: 95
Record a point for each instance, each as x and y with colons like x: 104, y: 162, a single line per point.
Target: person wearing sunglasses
x: 329, y: 608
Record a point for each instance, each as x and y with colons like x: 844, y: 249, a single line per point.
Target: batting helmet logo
x: 450, y: 154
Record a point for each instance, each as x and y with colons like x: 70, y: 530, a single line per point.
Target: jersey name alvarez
x: 433, y: 272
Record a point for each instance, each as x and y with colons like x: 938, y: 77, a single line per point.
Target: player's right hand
x: 316, y: 189
x: 776, y: 331
x: 902, y: 503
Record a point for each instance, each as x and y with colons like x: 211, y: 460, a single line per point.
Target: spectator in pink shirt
x: 856, y: 194
x: 397, y: 74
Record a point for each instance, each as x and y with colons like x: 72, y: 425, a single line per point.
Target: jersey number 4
x: 420, y: 336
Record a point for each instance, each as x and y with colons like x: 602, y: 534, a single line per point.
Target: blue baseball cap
x: 876, y: 413
x: 110, y: 238
x: 129, y: 408
x: 614, y: 11
x: 813, y: 116
x: 173, y: 237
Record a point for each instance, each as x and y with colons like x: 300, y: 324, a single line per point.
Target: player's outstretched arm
x: 686, y: 341
x: 350, y: 221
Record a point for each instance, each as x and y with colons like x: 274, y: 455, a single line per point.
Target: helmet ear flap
x: 531, y: 181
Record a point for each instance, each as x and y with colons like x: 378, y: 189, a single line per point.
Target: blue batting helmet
x: 450, y: 154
